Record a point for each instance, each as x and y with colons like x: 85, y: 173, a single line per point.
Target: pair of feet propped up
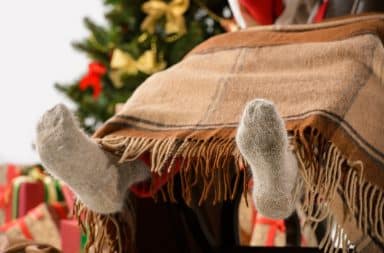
x: 101, y: 182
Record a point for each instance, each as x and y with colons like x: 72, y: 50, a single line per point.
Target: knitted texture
x: 262, y: 140
x: 94, y: 175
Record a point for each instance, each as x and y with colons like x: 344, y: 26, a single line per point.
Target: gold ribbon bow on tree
x: 123, y: 63
x: 173, y: 12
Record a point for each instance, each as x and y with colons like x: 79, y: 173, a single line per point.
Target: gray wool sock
x: 93, y: 174
x: 262, y: 140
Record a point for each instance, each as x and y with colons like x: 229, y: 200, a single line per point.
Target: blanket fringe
x: 213, y: 168
x: 327, y: 172
x: 213, y: 161
x: 107, y: 232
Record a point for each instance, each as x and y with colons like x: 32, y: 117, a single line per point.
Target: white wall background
x: 35, y: 52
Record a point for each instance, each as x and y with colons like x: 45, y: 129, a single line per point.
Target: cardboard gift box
x: 40, y: 224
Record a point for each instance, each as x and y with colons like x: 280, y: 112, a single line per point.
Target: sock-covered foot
x: 93, y: 174
x: 262, y: 140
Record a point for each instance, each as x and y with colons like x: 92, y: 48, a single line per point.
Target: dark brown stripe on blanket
x: 256, y: 38
x: 118, y: 127
x: 330, y: 126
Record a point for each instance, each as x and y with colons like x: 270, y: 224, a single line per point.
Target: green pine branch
x: 123, y: 31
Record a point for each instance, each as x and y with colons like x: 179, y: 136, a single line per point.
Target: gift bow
x: 172, y: 11
x: 93, y: 78
x: 124, y: 63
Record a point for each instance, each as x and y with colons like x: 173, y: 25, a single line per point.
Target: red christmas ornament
x: 93, y: 78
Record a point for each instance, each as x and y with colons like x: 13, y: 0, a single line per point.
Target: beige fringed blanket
x: 326, y: 81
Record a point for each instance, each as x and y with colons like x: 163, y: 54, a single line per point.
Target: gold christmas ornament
x: 124, y: 63
x: 173, y: 12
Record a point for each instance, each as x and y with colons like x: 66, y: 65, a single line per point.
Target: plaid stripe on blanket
x: 326, y: 81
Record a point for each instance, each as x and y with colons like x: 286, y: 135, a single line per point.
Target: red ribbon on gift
x: 35, y: 213
x: 3, y: 195
x: 93, y: 78
x: 60, y: 209
x: 5, y: 191
x: 275, y: 225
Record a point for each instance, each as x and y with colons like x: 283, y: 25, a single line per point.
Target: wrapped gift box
x: 40, y: 224
x: 26, y: 193
x: 72, y: 239
x: 8, y: 173
x: 30, y: 195
x: 21, y: 193
x: 69, y: 197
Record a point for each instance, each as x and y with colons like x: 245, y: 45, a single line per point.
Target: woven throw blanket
x: 326, y: 81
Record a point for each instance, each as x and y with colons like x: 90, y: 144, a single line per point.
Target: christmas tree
x: 140, y: 38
